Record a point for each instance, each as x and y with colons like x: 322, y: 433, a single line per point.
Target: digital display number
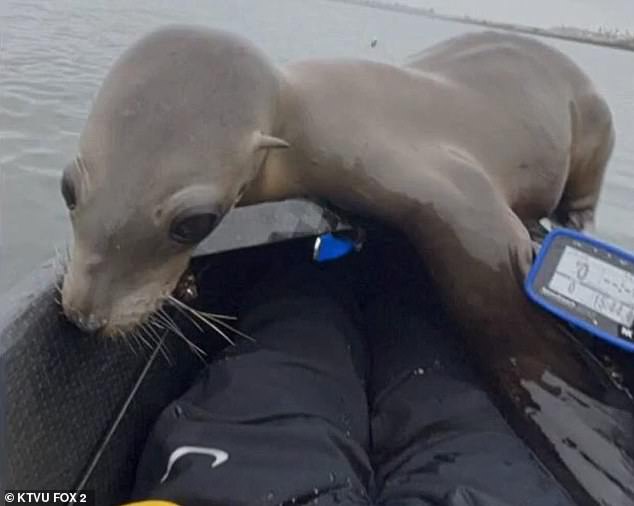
x: 593, y: 283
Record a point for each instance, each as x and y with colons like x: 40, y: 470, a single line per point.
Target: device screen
x: 597, y: 285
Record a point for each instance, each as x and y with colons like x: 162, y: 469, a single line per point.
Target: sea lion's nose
x: 89, y: 324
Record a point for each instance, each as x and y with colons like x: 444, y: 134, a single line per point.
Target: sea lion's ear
x: 263, y: 141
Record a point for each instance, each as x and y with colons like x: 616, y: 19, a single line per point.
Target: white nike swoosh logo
x: 219, y: 456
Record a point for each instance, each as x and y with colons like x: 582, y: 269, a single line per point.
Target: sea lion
x: 461, y: 149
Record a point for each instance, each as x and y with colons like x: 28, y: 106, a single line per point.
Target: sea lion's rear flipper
x: 592, y: 145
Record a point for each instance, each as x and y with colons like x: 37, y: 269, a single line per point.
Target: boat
x: 63, y: 391
x: 78, y: 408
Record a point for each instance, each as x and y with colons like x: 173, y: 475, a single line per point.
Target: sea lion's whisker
x: 201, y: 315
x: 58, y: 257
x: 135, y: 340
x: 184, y: 308
x: 199, y: 352
x: 215, y: 328
x: 62, y: 259
x: 224, y: 335
x: 167, y: 323
x: 177, y: 303
x: 142, y: 338
x: 211, y: 319
x: 155, y: 338
x: 167, y: 316
x: 170, y: 325
x: 218, y: 316
x: 158, y: 325
x: 198, y: 315
x: 143, y: 328
x: 138, y: 342
x: 154, y: 331
x: 227, y: 326
x: 184, y: 313
x: 125, y: 339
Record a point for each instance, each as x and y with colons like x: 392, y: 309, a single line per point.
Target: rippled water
x: 54, y: 54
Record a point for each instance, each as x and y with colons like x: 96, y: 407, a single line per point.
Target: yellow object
x: 151, y: 503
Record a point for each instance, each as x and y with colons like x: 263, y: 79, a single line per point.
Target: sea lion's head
x: 177, y: 131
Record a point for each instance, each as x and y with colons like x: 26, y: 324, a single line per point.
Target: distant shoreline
x: 615, y: 41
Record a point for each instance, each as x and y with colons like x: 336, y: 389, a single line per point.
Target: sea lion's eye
x: 193, y: 228
x: 68, y: 191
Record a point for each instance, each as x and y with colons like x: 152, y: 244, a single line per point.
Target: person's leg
x: 288, y: 413
x: 437, y: 437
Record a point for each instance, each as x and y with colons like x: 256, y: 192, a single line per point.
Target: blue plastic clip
x: 330, y: 247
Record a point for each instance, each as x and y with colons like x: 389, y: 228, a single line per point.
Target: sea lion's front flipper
x: 554, y: 395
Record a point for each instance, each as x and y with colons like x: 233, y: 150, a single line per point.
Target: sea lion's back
x: 489, y: 60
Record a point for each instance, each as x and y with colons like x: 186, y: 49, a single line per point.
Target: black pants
x: 335, y: 405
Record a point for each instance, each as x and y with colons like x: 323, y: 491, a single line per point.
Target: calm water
x: 54, y: 54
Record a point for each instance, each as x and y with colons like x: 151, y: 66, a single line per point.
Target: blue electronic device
x: 586, y: 282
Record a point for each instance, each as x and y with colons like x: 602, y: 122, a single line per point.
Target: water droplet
x: 419, y: 372
x: 315, y: 501
x: 348, y: 434
x: 270, y: 496
x: 349, y: 482
x: 332, y: 477
x: 293, y: 500
x: 513, y: 361
x: 178, y: 411
x: 316, y: 491
x: 616, y: 376
x: 569, y: 443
